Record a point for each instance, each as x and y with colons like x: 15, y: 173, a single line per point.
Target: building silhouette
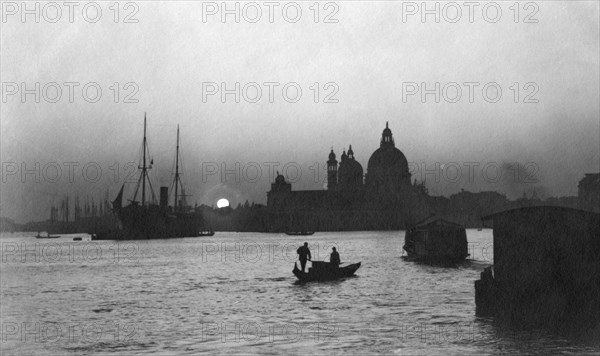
x: 382, y: 199
x: 589, y: 192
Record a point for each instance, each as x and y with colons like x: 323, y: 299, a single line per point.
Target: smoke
x: 518, y: 178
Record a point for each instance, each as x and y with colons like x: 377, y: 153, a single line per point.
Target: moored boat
x: 206, y: 233
x: 47, y: 236
x: 436, y: 240
x: 325, y: 271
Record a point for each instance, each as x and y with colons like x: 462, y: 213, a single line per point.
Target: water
x: 234, y: 293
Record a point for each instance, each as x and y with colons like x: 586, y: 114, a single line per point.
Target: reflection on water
x: 235, y: 293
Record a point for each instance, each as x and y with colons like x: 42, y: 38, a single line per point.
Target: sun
x: 222, y: 203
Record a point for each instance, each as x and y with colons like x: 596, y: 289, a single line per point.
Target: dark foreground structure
x: 437, y: 241
x: 546, y: 268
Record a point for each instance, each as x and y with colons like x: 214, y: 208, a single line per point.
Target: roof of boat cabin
x: 539, y: 208
x: 438, y: 222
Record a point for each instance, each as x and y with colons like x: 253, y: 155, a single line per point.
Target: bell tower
x: 332, y: 171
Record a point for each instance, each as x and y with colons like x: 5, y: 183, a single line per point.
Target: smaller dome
x: 350, y: 172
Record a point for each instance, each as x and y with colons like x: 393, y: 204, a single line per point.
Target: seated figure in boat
x: 303, y: 255
x: 334, y: 258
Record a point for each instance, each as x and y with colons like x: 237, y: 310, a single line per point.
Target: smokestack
x: 164, y: 197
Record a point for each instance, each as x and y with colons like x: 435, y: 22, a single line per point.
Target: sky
x: 502, y: 98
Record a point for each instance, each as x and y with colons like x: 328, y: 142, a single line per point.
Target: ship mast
x: 144, y: 168
x: 144, y: 164
x: 176, y: 205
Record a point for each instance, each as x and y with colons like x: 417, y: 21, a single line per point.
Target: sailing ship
x: 144, y: 219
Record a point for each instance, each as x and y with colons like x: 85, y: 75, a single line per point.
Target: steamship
x: 145, y: 219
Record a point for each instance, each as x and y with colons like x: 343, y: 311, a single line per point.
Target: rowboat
x: 325, y: 271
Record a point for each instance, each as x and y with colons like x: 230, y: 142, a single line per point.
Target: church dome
x: 390, y: 161
x: 387, y: 164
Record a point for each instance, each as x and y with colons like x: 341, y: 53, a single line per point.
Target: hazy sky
x: 372, y: 57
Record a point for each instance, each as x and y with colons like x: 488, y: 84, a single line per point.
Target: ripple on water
x: 171, y: 301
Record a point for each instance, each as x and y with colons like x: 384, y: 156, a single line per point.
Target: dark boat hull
x: 123, y: 235
x: 152, y: 222
x: 435, y: 258
x: 328, y: 273
x: 302, y: 233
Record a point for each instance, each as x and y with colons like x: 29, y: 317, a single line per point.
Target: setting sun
x: 222, y: 203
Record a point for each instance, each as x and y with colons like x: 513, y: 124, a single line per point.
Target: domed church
x: 383, y: 198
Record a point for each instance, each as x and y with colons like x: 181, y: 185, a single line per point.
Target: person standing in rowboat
x: 334, y: 258
x: 303, y: 255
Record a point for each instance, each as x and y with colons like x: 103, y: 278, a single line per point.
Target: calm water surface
x: 234, y: 293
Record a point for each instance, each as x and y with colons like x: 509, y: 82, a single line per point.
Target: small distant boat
x: 77, y: 239
x: 47, y: 236
x: 479, y: 229
x: 108, y: 235
x: 206, y: 233
x: 325, y: 271
x: 436, y: 240
x: 299, y: 233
